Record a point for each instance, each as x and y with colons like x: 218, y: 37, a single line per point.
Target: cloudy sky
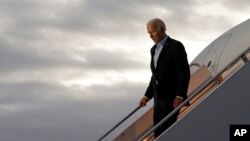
x: 71, y: 69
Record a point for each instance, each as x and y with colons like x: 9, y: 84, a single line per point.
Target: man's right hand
x: 143, y: 101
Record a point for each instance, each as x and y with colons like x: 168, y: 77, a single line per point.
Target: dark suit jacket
x: 172, y: 73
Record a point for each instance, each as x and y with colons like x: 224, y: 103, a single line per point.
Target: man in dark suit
x: 170, y: 74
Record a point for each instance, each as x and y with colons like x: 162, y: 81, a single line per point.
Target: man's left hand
x: 177, y: 101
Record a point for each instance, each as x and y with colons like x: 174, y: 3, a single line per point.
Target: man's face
x: 156, y: 34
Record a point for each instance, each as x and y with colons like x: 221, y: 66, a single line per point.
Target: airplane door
x: 216, y: 51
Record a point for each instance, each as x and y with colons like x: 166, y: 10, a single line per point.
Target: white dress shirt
x: 158, y: 50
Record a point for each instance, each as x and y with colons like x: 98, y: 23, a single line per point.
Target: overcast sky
x: 71, y: 69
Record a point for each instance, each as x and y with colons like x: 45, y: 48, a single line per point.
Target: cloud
x: 50, y: 111
x: 238, y: 6
x: 16, y: 58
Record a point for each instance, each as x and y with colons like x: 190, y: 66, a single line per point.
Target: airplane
x: 218, y: 94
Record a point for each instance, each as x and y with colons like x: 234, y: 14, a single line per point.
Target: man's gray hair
x: 158, y: 23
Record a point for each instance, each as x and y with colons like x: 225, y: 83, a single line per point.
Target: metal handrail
x: 101, y: 138
x: 194, y: 93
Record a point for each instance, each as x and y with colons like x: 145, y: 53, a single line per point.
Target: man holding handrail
x: 170, y: 75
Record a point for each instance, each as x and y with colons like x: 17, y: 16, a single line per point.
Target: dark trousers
x: 161, y: 110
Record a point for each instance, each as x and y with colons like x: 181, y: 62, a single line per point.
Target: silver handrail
x: 194, y: 93
x: 102, y: 137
